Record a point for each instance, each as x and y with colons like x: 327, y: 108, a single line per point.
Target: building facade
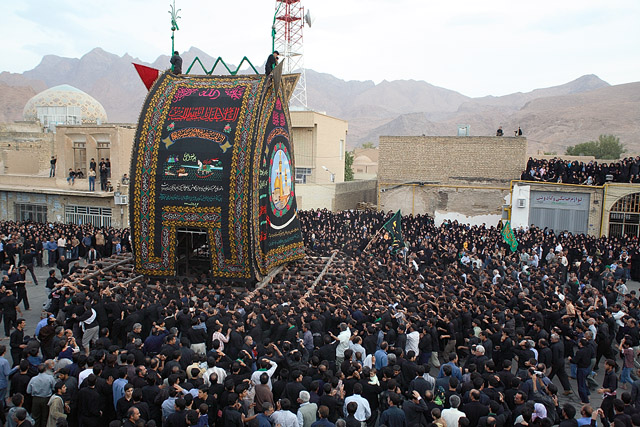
x: 365, y: 163
x: 320, y: 143
x: 609, y: 210
x: 449, y: 178
x: 65, y: 124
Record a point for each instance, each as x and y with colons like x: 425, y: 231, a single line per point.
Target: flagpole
x: 375, y: 237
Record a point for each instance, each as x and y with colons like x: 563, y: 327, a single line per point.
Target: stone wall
x: 349, y: 194
x: 335, y: 197
x: 25, y: 149
x: 469, y: 204
x: 451, y: 160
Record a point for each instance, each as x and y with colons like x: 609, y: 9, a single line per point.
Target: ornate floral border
x: 294, y: 251
x: 148, y: 138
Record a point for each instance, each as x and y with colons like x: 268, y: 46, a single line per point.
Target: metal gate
x: 624, y: 217
x: 98, y: 217
x: 560, y: 211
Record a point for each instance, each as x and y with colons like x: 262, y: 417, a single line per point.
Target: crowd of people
x: 574, y: 172
x: 452, y: 329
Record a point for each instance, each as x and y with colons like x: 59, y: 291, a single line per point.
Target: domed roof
x: 66, y: 96
x: 363, y: 160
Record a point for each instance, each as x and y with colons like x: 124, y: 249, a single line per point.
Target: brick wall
x: 449, y: 160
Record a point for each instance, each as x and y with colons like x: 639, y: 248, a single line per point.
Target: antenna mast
x: 287, y: 39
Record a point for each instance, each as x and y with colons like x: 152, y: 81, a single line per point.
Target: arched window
x: 624, y: 217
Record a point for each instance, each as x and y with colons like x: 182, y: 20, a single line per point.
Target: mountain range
x: 551, y: 118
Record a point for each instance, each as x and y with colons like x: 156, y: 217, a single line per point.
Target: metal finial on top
x: 174, y: 23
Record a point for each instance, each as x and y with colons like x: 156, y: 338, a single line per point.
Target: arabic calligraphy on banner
x: 559, y: 199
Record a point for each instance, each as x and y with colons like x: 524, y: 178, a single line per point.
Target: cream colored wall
x: 303, y: 140
x: 336, y: 197
x: 25, y: 149
x: 315, y: 196
x: 330, y: 131
x: 121, y: 143
x: 318, y: 137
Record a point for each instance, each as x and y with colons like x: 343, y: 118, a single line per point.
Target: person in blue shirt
x: 118, y: 386
x: 381, y: 356
x: 5, y: 371
x: 455, y: 370
x: 52, y: 249
x: 263, y: 417
x: 43, y: 322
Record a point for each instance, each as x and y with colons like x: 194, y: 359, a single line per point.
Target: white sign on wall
x: 559, y: 200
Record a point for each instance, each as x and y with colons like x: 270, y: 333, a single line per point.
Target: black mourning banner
x: 202, y: 158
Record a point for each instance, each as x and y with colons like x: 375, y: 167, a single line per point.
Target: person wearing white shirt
x: 84, y: 374
x: 62, y: 243
x: 618, y: 314
x: 465, y: 260
x: 453, y: 414
x: 413, y: 340
x: 343, y: 342
x: 283, y: 415
x: 592, y: 327
x: 364, y: 410
x: 496, y: 277
x: 212, y: 369
x: 267, y: 366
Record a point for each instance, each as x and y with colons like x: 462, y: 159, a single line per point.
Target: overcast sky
x: 478, y: 48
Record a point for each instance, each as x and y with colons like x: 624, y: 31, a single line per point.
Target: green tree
x: 348, y: 163
x: 607, y: 147
x: 368, y: 145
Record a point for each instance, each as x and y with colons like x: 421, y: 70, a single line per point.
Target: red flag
x: 147, y: 74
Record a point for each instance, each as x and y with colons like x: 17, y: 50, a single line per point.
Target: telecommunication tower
x: 287, y: 32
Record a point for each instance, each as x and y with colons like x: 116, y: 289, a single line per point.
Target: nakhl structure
x: 213, y: 154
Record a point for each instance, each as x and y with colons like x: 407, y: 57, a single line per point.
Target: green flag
x: 509, y: 237
x: 394, y: 228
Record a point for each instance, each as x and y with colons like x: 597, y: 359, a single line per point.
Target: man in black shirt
x: 28, y: 259
x: 63, y: 265
x: 231, y: 415
x: 16, y: 341
x: 9, y: 305
x: 52, y: 280
x: 20, y: 281
x: 176, y: 63
x: 272, y: 61
x: 52, y: 171
x: 90, y: 404
x: 609, y: 387
x: 558, y: 363
x: 582, y: 359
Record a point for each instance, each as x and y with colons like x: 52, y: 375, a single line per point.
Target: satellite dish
x: 307, y: 18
